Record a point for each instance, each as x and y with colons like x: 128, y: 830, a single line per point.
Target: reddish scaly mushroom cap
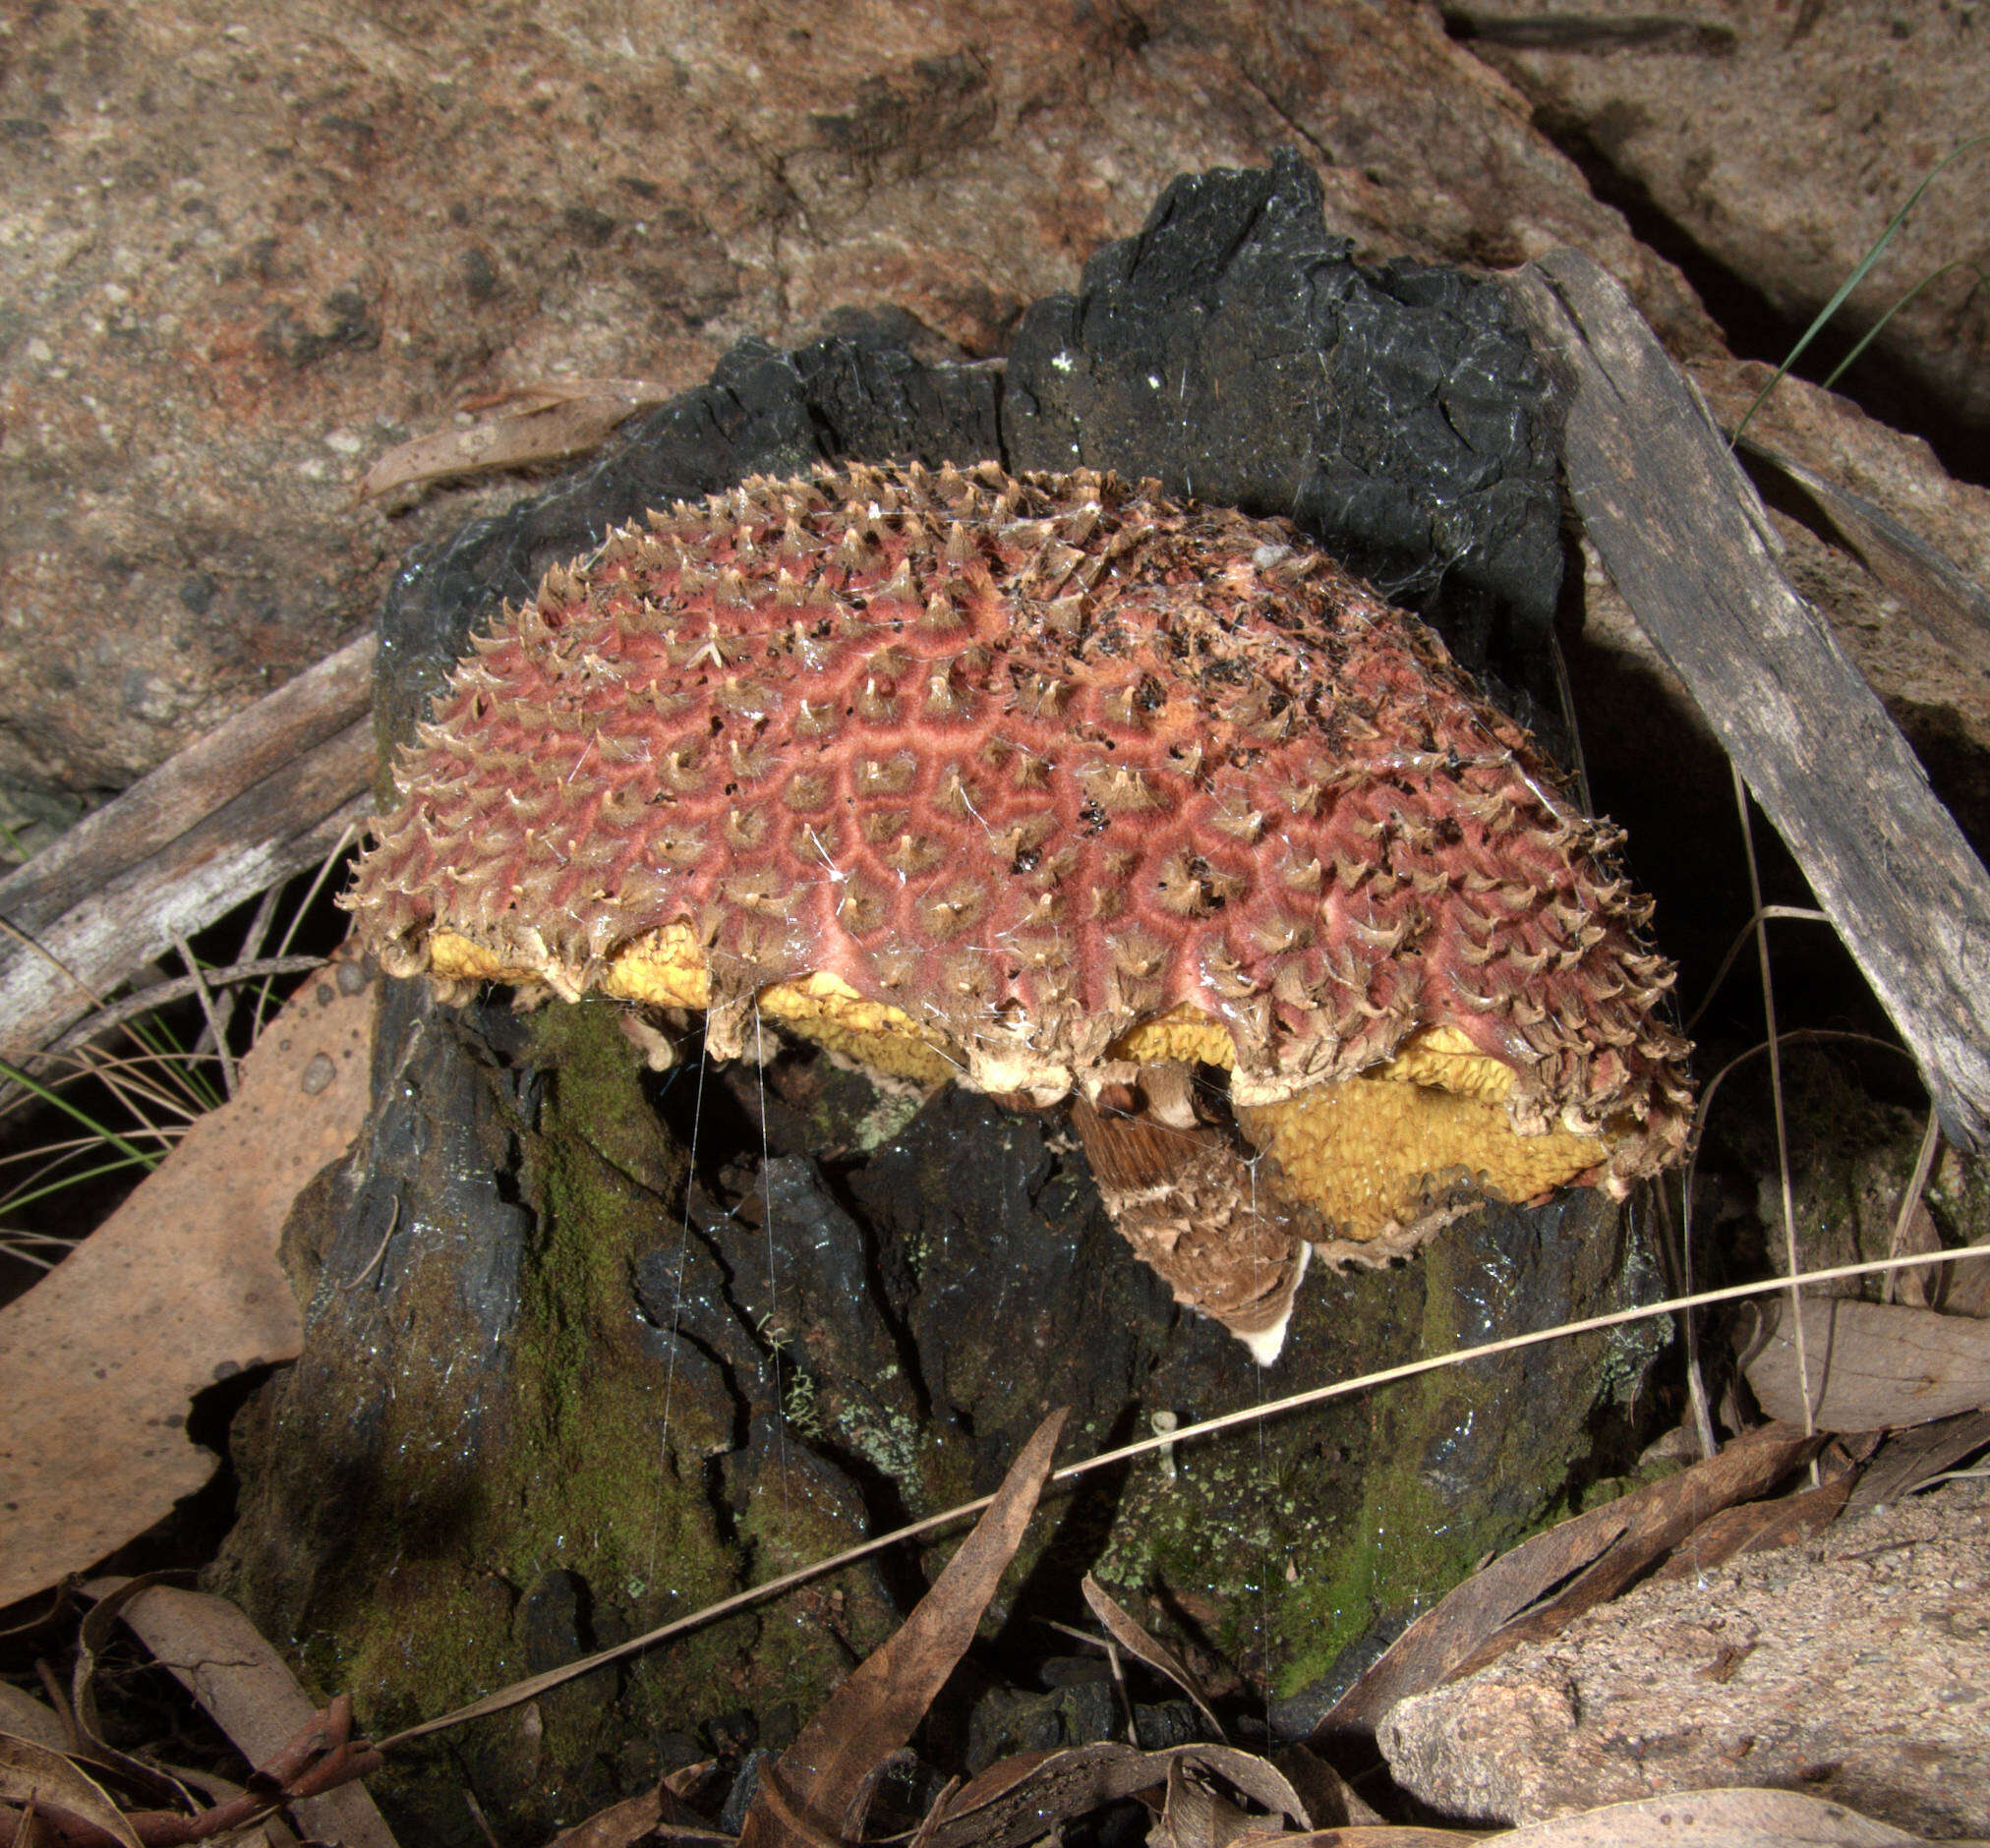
x: 1043, y: 784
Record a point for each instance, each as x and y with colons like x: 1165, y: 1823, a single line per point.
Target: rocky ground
x: 1852, y: 1668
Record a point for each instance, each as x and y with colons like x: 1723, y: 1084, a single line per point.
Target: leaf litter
x: 179, y: 1288
x: 819, y: 1792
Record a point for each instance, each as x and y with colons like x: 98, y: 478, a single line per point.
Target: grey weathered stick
x: 1688, y: 543
x: 303, y: 712
x: 261, y: 797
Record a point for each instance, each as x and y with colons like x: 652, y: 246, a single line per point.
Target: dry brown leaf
x: 1423, y: 1655
x: 321, y: 1757
x: 550, y: 421
x: 1605, y: 1549
x: 1919, y: 1237
x: 227, y: 1665
x: 686, y: 1780
x: 660, y: 1816
x: 1256, y: 1778
x: 136, y: 1779
x: 1330, y: 1800
x: 1908, y: 1460
x: 1873, y: 1366
x: 1713, y: 1818
x: 1024, y: 1796
x: 818, y: 1789
x: 22, y: 1717
x: 35, y: 1779
x: 616, y: 1826
x: 1758, y: 1528
x: 1196, y: 1815
x: 1157, y: 1654
x: 995, y: 1792
x: 179, y: 1288
x: 1969, y: 1291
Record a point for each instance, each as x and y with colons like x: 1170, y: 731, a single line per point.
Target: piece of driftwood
x: 1686, y: 541
x: 260, y: 797
x: 1873, y: 1366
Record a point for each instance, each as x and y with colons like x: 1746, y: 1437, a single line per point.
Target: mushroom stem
x: 1184, y: 1199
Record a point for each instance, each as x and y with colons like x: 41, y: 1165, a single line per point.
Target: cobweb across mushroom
x: 1056, y: 789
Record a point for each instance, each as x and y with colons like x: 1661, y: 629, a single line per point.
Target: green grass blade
x: 14, y: 1075
x: 1858, y: 276
x: 184, y: 1070
x: 1879, y: 326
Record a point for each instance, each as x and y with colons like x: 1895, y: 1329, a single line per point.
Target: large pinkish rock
x: 1853, y: 1668
x: 1779, y: 141
x: 240, y: 259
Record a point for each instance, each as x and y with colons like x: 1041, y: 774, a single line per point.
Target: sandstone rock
x: 1855, y: 1670
x: 1781, y: 140
x: 244, y: 259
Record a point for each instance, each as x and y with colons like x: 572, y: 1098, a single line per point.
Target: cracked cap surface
x: 1031, y: 784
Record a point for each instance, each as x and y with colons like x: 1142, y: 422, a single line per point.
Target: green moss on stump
x: 496, y: 1472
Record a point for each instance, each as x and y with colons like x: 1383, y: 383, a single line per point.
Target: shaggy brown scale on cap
x: 1050, y: 786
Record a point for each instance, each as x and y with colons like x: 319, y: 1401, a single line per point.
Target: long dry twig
x: 303, y: 910
x: 205, y: 994
x: 1911, y: 1197
x: 164, y: 994
x: 1776, y: 1099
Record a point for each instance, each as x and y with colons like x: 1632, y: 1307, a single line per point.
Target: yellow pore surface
x: 1368, y: 1153
x: 1375, y: 1153
x: 667, y: 969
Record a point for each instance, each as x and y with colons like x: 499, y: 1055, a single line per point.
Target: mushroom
x: 1054, y: 788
